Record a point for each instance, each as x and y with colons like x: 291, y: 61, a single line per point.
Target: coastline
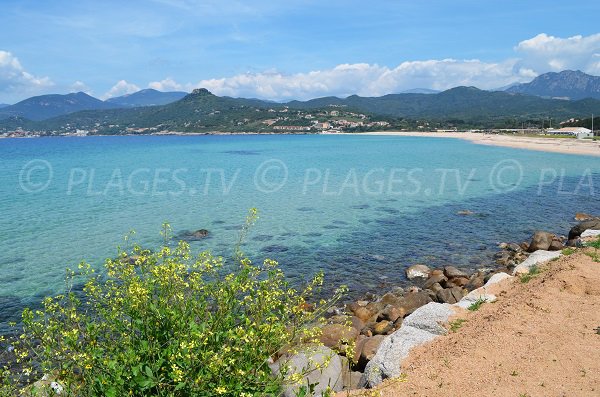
x: 553, y: 145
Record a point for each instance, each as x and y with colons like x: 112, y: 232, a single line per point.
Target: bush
x: 164, y: 324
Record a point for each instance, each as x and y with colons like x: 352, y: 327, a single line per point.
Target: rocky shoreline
x: 379, y: 329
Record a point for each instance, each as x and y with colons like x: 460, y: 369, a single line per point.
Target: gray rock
x: 417, y: 271
x: 422, y: 326
x: 450, y: 295
x: 590, y: 233
x: 576, y: 231
x: 540, y: 241
x: 534, y: 259
x: 496, y: 278
x: 451, y: 271
x: 474, y: 296
x: 307, y: 362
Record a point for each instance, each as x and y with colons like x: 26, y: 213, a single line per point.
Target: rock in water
x: 417, y: 271
x: 583, y: 226
x: 541, y: 241
x: 581, y: 216
x: 193, y: 235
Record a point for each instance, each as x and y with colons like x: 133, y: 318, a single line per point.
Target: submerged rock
x: 417, y: 271
x: 193, y: 235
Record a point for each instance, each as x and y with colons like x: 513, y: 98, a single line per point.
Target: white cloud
x: 544, y: 53
x: 370, y: 79
x: 168, y: 84
x: 16, y: 81
x: 121, y: 88
x: 80, y: 86
x: 540, y: 54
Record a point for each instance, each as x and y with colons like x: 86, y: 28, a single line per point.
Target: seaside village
x: 292, y: 121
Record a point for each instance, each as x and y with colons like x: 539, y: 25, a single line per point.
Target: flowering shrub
x: 166, y: 324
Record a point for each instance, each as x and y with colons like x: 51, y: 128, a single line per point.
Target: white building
x: 578, y: 132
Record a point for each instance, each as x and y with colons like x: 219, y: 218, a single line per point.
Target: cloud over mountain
x: 540, y: 54
x: 15, y: 79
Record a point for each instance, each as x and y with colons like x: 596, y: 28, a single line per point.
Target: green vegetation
x: 568, y: 251
x: 533, y: 272
x: 477, y: 304
x: 165, y: 323
x: 594, y: 255
x: 455, y: 325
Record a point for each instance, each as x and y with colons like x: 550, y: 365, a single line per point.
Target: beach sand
x: 556, y: 145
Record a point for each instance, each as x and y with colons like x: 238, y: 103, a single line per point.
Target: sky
x: 292, y: 49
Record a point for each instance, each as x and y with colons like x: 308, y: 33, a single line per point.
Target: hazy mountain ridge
x: 567, y: 84
x: 47, y: 106
x: 147, y: 97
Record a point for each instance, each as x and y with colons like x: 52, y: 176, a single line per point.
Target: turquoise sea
x: 361, y: 208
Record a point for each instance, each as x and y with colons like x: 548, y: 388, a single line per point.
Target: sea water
x: 360, y: 208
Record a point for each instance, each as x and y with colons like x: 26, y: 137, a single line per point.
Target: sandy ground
x: 557, y: 145
x: 539, y: 339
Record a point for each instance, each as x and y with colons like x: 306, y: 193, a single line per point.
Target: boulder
x: 412, y: 301
x: 422, y: 326
x: 496, y: 278
x: 391, y: 313
x: 576, y: 230
x: 476, y: 281
x: 581, y: 216
x: 417, y: 271
x: 434, y: 279
x: 337, y: 335
x: 534, y: 259
x: 450, y: 295
x: 362, y: 313
x: 320, y: 367
x: 451, y: 271
x: 590, y: 233
x: 540, y: 241
x: 556, y: 245
x: 368, y: 348
x: 383, y: 327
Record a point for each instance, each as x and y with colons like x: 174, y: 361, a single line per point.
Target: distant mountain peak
x: 569, y: 84
x: 201, y: 92
x: 146, y: 97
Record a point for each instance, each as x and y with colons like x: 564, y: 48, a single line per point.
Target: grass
x: 456, y: 324
x: 568, y: 251
x: 594, y: 255
x: 533, y: 271
x: 477, y: 304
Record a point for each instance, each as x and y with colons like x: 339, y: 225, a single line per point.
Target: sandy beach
x: 557, y: 145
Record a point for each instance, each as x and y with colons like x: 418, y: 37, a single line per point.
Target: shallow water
x: 361, y: 208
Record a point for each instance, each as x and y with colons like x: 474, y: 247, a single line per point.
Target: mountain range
x: 202, y: 111
x: 147, y: 97
x: 567, y: 84
x: 48, y: 106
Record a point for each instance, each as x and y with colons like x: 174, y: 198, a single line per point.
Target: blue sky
x: 288, y: 49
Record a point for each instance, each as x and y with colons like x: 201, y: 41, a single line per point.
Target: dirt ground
x: 541, y: 338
